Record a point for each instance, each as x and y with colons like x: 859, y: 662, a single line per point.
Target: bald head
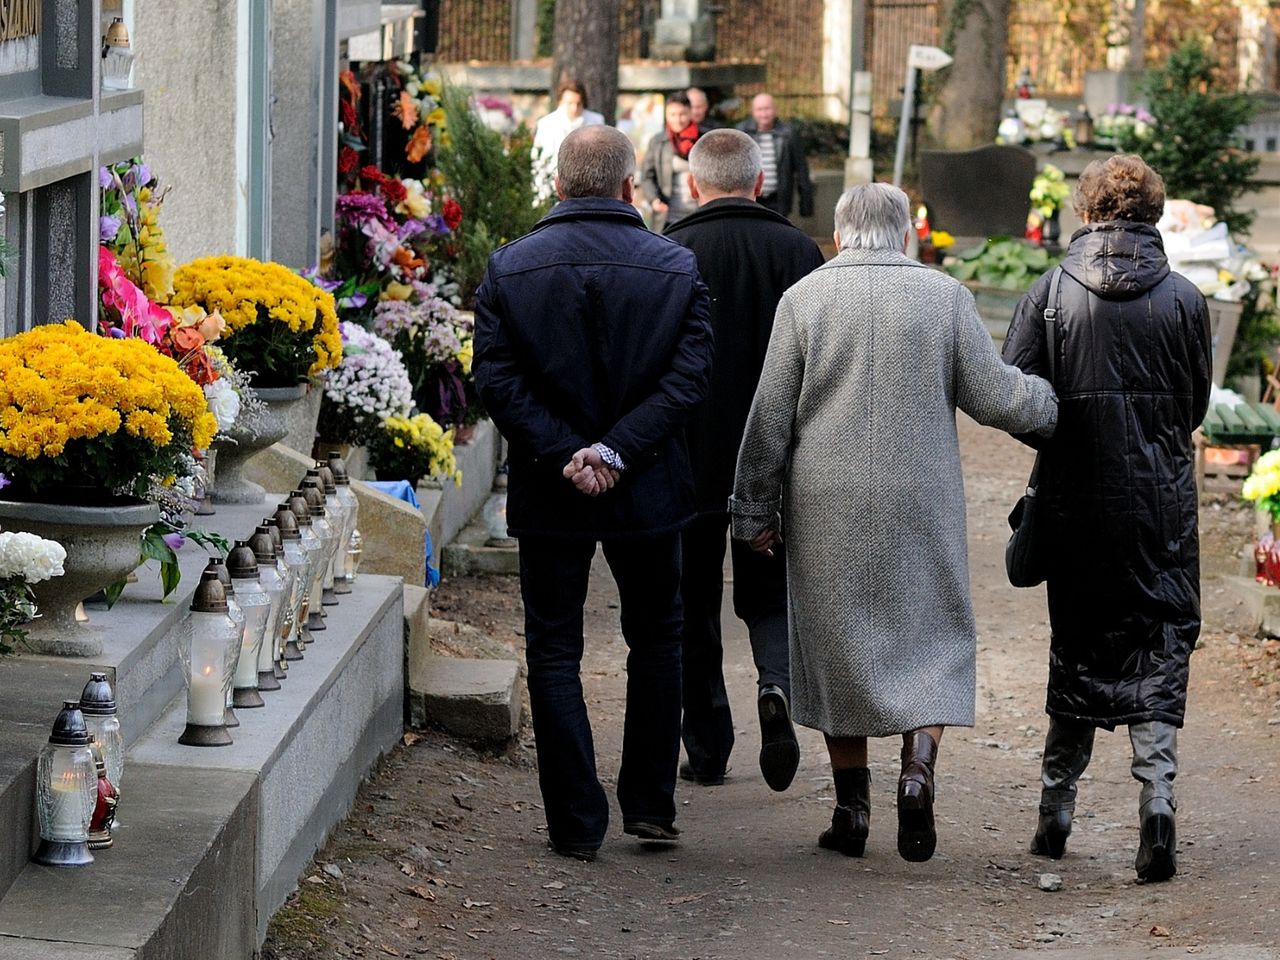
x: 595, y: 161
x: 764, y: 111
x: 698, y: 104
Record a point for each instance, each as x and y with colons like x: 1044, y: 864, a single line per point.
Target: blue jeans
x: 554, y: 574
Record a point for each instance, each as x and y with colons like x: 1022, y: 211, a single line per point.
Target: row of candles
x: 250, y: 617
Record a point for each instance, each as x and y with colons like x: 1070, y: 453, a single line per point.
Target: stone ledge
x: 477, y: 700
x: 1261, y: 603
x: 470, y: 554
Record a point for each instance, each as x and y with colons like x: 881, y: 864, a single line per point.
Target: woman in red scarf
x: 665, y: 175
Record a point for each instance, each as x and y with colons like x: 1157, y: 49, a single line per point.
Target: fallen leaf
x: 418, y: 890
x: 314, y: 879
x: 410, y: 738
x: 391, y: 951
x: 410, y: 923
x: 1159, y: 931
x: 476, y: 904
x: 407, y: 869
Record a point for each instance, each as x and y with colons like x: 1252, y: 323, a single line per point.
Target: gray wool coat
x: 851, y: 445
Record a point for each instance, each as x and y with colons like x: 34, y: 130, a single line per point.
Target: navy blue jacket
x: 592, y: 329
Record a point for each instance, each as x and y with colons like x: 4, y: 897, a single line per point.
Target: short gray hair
x: 873, y: 216
x: 595, y: 161
x: 727, y: 161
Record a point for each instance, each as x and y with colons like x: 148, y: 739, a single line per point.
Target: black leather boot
x: 1157, y: 858
x: 1052, y: 831
x: 851, y: 821
x: 917, y: 837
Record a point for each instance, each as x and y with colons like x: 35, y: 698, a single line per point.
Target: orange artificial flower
x: 407, y: 110
x: 419, y: 144
x: 405, y: 258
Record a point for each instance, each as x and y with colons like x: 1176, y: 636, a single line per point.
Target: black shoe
x: 1052, y: 832
x: 652, y: 832
x: 779, y: 749
x: 575, y: 851
x: 851, y: 821
x: 1157, y: 858
x: 701, y: 779
x: 917, y: 836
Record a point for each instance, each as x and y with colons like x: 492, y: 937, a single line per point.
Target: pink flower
x: 139, y: 317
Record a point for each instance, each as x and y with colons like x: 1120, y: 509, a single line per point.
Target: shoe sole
x: 584, y: 854
x: 651, y: 833
x: 779, y: 748
x: 917, y: 839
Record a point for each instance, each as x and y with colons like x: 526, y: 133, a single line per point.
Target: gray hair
x: 595, y: 161
x: 873, y: 216
x: 726, y: 161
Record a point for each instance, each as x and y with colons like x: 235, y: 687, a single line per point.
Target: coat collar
x: 727, y: 208
x: 871, y: 258
x: 592, y: 208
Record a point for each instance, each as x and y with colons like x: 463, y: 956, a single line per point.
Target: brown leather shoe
x: 916, y: 835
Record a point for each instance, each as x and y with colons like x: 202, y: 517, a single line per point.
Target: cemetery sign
x: 19, y: 18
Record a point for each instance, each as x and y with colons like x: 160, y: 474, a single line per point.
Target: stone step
x: 476, y: 700
x: 213, y: 839
x: 471, y: 554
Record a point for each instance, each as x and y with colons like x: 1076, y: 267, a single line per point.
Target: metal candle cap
x: 263, y: 547
x: 287, y: 522
x: 69, y: 728
x: 219, y: 567
x: 339, y: 469
x: 241, y: 562
x: 313, y: 492
x: 326, y: 478
x: 98, y: 699
x: 211, y: 595
x: 300, y: 507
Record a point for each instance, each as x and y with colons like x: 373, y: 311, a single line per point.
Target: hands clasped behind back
x: 588, y: 472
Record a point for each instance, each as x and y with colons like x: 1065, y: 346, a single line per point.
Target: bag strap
x: 1050, y: 319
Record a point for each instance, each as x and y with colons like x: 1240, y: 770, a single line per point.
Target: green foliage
x: 1256, y: 334
x: 155, y: 547
x: 17, y: 608
x: 546, y: 28
x: 1002, y: 262
x: 1193, y: 143
x: 1049, y: 191
x: 491, y: 176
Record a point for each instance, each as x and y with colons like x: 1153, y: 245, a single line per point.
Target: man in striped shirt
x: 786, y: 172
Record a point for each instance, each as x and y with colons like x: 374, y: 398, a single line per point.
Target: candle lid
x: 98, y: 699
x: 219, y: 567
x: 300, y: 507
x: 339, y: 469
x: 242, y: 564
x: 313, y: 493
x: 69, y: 728
x: 286, y: 521
x: 326, y: 478
x: 263, y: 547
x: 211, y: 595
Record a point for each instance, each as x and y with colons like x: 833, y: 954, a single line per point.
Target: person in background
x: 700, y: 110
x: 570, y: 113
x: 592, y: 347
x: 851, y: 453
x: 748, y: 256
x: 1133, y: 371
x: 664, y: 178
x: 786, y: 172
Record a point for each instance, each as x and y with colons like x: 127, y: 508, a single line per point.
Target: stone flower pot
x: 103, y: 544
x: 231, y: 483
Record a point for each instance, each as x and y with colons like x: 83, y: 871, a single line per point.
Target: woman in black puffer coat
x: 1133, y: 374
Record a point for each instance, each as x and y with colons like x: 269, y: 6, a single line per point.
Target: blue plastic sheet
x: 403, y: 490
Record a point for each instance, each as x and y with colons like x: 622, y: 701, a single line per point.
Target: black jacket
x: 748, y: 256
x: 1133, y: 374
x: 793, y: 168
x: 592, y: 329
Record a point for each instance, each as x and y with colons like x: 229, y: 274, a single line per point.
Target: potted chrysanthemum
x: 369, y: 385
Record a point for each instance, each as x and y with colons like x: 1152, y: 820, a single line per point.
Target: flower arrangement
x: 409, y: 448
x: 78, y: 408
x: 1049, y: 191
x: 24, y: 559
x: 1123, y: 121
x: 369, y: 385
x: 435, y: 341
x: 418, y: 118
x: 280, y: 328
x: 1262, y: 486
x: 129, y: 226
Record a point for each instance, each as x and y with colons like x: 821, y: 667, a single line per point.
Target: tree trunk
x: 966, y: 109
x: 586, y: 50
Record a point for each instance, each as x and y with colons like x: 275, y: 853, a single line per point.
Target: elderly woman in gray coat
x: 851, y: 453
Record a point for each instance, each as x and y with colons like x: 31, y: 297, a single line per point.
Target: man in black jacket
x: 786, y: 171
x: 748, y: 256
x: 592, y: 345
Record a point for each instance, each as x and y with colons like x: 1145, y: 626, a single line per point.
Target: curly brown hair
x: 1122, y: 187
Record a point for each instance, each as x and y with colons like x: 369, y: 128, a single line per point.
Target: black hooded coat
x: 1134, y: 368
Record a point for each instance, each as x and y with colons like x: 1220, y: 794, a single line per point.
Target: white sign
x: 927, y: 58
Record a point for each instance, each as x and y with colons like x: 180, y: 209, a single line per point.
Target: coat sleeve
x: 684, y: 385
x: 506, y: 391
x: 987, y: 389
x: 1201, y: 351
x: 756, y: 503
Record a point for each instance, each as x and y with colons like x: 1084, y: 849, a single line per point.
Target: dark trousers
x: 553, y: 582
x: 1068, y: 747
x: 759, y: 600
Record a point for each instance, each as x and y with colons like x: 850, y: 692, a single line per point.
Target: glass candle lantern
x: 346, y: 496
x: 313, y: 505
x: 274, y: 578
x: 66, y: 791
x: 355, y: 550
x: 117, y: 57
x: 106, y: 798
x: 293, y: 559
x: 311, y: 545
x: 336, y: 514
x: 219, y: 566
x: 242, y: 562
x: 210, y: 646
x: 313, y: 489
x: 98, y: 706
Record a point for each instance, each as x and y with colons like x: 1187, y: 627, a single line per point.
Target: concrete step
x: 471, y: 554
x: 476, y: 700
x: 1261, y: 603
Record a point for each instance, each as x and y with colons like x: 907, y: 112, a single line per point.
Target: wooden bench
x: 1246, y: 430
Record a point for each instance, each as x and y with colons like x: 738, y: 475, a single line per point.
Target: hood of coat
x: 1117, y: 260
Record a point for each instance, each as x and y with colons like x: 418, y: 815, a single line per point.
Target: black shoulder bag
x: 1026, y: 557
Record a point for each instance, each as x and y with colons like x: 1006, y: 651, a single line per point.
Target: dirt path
x: 445, y: 855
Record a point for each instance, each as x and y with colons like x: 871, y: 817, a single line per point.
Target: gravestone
x: 978, y: 193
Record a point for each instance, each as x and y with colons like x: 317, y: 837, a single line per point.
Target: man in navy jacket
x: 592, y: 346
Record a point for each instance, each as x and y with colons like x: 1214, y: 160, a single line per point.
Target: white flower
x: 224, y: 403
x: 30, y: 557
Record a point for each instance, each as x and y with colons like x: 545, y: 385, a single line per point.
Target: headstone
x: 684, y: 31
x: 978, y: 193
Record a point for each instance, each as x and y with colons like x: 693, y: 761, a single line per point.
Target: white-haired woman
x: 851, y: 453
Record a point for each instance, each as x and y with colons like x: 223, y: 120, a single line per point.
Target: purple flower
x: 4, y: 481
x: 353, y: 302
x: 410, y: 229
x: 142, y: 173
x: 105, y: 179
x: 324, y: 283
x: 116, y: 332
x: 360, y: 209
x: 175, y: 540
x: 108, y: 227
